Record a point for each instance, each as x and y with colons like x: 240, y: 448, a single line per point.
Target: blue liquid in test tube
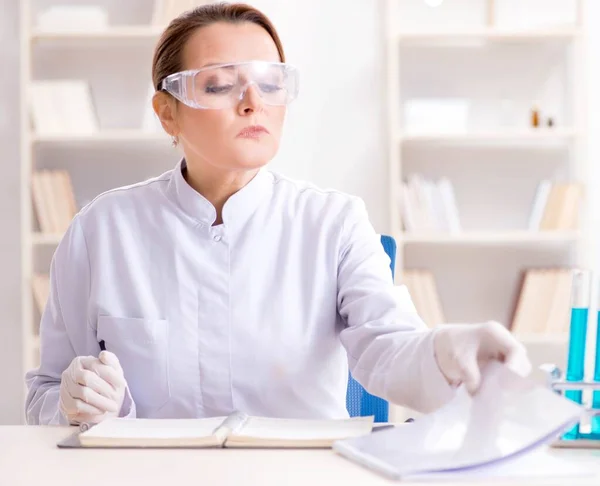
x: 596, y: 394
x: 580, y: 303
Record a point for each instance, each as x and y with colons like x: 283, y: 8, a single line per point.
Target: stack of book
x: 544, y: 302
x: 72, y: 18
x: 424, y: 293
x: 556, y: 206
x: 429, y: 206
x: 41, y: 291
x: 53, y: 200
x: 60, y: 107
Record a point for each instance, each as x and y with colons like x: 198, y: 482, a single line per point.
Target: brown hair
x: 168, y: 53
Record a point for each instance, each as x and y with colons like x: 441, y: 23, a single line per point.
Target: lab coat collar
x: 238, y: 208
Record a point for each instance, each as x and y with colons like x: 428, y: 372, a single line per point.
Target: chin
x: 249, y: 164
x: 254, y: 160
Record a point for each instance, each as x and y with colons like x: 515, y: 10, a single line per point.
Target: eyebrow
x: 210, y: 64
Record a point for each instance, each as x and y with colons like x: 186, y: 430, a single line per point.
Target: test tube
x: 596, y: 394
x: 580, y: 304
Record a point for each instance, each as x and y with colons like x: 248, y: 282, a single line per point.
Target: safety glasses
x: 224, y: 85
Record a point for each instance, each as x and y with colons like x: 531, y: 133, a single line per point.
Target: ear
x: 165, y: 108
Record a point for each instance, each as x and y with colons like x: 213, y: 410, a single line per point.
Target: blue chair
x: 359, y: 402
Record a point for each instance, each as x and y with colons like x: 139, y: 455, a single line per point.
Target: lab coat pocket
x: 142, y: 346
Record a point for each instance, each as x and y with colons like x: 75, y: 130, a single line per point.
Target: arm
x: 389, y: 348
x: 65, y: 330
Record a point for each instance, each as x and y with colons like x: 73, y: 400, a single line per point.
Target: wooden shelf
x: 124, y: 33
x: 491, y: 238
x: 104, y: 136
x: 543, y: 135
x: 489, y: 35
x: 38, y: 238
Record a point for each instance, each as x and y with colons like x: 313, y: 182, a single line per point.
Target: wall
x: 334, y: 134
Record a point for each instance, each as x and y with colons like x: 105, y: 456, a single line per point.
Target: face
x: 216, y: 136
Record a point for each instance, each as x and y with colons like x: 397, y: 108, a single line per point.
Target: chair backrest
x: 359, y: 402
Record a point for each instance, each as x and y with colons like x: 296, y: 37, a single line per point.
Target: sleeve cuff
x: 437, y: 391
x: 128, y: 409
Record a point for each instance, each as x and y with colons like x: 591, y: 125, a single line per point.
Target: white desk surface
x: 29, y: 457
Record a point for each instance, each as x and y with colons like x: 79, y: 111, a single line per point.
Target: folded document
x: 508, y: 417
x: 236, y: 430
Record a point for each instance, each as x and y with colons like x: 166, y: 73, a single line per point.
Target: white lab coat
x: 262, y: 313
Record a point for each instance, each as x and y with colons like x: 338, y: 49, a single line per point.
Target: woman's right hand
x: 92, y: 388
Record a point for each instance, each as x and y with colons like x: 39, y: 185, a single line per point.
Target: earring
x: 174, y: 140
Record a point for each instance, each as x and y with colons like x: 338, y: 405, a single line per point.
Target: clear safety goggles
x: 224, y: 85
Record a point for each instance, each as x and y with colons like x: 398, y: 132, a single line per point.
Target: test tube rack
x: 557, y: 383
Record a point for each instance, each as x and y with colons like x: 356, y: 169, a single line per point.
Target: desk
x: 29, y: 457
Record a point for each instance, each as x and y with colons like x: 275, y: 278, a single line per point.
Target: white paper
x: 537, y: 464
x: 297, y: 429
x: 508, y: 417
x: 122, y: 428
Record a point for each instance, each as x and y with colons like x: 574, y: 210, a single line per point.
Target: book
x: 508, y: 418
x: 62, y: 107
x: 428, y: 206
x: 166, y: 10
x: 72, y: 18
x: 53, y: 200
x: 41, y: 290
x: 556, y: 206
x: 544, y: 302
x: 539, y: 203
x: 235, y: 430
x: 423, y: 291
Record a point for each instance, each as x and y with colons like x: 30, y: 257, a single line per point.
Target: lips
x: 253, y: 131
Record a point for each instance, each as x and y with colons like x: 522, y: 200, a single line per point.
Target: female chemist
x: 221, y: 286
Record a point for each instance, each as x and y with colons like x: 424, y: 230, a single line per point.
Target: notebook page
x: 298, y: 429
x: 122, y: 428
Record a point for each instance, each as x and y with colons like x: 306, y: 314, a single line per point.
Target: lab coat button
x: 217, y: 238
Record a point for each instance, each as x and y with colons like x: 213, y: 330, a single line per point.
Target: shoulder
x: 307, y: 195
x: 127, y: 197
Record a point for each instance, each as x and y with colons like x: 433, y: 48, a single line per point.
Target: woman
x: 220, y: 286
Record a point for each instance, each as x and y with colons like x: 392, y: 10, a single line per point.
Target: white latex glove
x: 92, y: 388
x: 462, y: 350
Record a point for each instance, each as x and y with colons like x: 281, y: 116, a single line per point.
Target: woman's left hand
x: 462, y: 350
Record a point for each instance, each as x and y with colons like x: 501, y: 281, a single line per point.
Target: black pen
x: 102, y: 346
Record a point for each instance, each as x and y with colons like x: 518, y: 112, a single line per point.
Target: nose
x: 251, y: 101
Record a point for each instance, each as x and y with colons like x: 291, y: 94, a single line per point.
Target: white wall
x: 335, y: 134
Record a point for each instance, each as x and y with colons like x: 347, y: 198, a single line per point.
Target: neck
x: 216, y: 185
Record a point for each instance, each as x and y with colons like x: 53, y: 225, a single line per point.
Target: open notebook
x: 236, y: 430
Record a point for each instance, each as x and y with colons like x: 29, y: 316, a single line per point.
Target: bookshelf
x: 39, y: 238
x: 492, y: 238
x: 110, y: 139
x: 104, y: 136
x: 463, y: 81
x: 487, y: 34
x: 505, y: 138
x: 121, y: 34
